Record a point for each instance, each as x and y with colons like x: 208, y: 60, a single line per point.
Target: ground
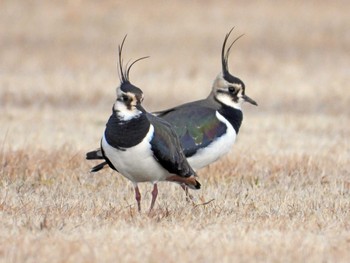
x: 281, y: 195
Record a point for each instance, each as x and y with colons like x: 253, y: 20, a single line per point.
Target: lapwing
x: 207, y: 128
x: 141, y: 146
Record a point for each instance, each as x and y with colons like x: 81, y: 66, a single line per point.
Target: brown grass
x: 281, y: 195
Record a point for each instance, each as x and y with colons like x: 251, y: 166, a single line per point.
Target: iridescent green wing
x: 196, y: 125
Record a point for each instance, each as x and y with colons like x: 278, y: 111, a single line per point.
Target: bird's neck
x: 233, y: 115
x: 122, y: 133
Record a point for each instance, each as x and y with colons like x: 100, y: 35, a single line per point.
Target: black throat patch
x: 234, y: 116
x: 125, y: 134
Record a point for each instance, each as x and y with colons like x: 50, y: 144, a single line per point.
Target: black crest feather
x: 225, y: 53
x: 125, y: 71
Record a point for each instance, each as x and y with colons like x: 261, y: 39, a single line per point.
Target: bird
x: 207, y: 128
x: 140, y: 146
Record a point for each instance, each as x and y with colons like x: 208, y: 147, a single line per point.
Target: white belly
x: 136, y: 163
x: 216, y: 149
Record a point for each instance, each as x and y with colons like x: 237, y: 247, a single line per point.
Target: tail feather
x: 98, y: 167
x: 190, y: 182
x: 94, y: 155
x: 194, y: 184
x: 198, y: 185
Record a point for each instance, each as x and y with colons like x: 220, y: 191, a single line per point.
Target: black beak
x: 139, y: 107
x: 251, y: 101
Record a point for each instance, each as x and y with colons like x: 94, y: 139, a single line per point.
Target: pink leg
x: 154, y: 196
x: 138, y: 197
x: 189, y: 197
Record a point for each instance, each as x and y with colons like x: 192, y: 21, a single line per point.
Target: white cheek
x: 227, y: 100
x: 124, y: 113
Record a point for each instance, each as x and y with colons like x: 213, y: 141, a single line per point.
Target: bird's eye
x: 231, y: 89
x: 125, y: 98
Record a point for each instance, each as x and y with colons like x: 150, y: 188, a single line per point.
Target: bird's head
x: 129, y: 97
x: 227, y: 88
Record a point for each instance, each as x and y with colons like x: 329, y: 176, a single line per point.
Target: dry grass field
x: 281, y: 195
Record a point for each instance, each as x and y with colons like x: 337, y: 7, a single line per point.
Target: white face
x: 230, y: 94
x: 126, y: 105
